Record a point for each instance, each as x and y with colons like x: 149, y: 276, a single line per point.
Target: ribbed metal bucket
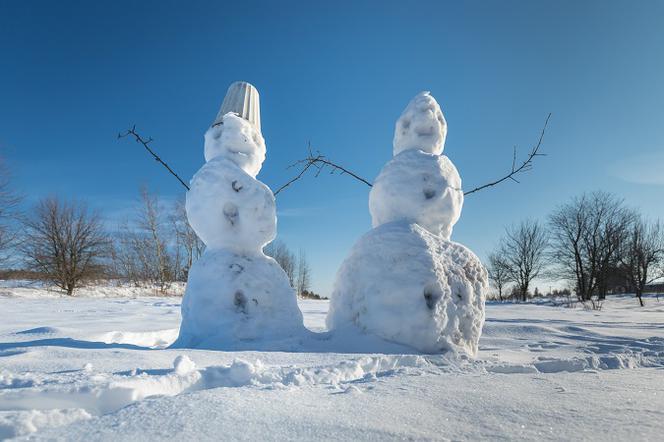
x: 242, y: 99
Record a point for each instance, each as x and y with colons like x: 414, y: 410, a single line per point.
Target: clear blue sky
x: 338, y: 74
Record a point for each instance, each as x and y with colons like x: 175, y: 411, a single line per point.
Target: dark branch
x: 319, y: 162
x: 524, y: 167
x: 145, y: 144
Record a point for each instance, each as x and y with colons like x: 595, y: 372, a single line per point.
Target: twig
x: 320, y: 162
x: 524, y: 167
x: 145, y: 144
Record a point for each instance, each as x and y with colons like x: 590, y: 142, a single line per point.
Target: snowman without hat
x: 404, y: 280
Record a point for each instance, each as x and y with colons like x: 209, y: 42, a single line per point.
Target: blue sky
x: 337, y: 74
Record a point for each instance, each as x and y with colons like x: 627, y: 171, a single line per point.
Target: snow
x: 430, y: 297
x: 420, y: 188
x: 537, y: 366
x: 236, y: 140
x: 236, y: 296
x: 421, y: 126
x: 405, y: 281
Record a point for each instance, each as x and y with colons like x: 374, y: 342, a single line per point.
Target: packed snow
x: 236, y: 296
x: 405, y: 281
x: 101, y: 368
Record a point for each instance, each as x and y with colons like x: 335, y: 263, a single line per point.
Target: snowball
x: 421, y: 126
x: 233, y: 297
x: 237, y: 140
x: 419, y: 187
x: 183, y: 365
x: 226, y: 207
x: 406, y: 285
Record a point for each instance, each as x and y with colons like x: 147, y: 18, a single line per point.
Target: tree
x: 65, y: 243
x: 9, y: 202
x: 522, y: 251
x: 642, y: 255
x: 189, y: 246
x: 586, y: 234
x: 303, y: 273
x: 498, y: 272
x: 280, y: 252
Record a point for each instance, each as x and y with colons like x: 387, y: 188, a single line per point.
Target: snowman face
x: 418, y: 187
x: 228, y: 208
x: 237, y: 140
x: 421, y: 126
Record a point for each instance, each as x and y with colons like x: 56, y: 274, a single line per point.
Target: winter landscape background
x: 554, y: 151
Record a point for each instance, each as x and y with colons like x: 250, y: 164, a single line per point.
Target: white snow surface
x: 421, y: 126
x: 229, y: 208
x: 538, y: 365
x: 420, y: 188
x: 237, y: 140
x: 406, y: 285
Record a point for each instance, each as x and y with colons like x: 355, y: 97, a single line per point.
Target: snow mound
x: 234, y: 297
x: 150, y: 339
x: 236, y: 140
x: 229, y: 208
x: 421, y: 126
x: 409, y: 286
x: 26, y: 422
x: 420, y: 188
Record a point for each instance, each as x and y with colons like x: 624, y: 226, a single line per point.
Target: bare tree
x: 284, y: 257
x: 522, y: 252
x: 189, y: 246
x: 65, y: 243
x: 9, y: 202
x: 498, y: 273
x: 642, y: 255
x: 586, y: 234
x: 303, y: 273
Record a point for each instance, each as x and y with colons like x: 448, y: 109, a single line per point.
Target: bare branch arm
x: 145, y: 144
x: 525, y: 166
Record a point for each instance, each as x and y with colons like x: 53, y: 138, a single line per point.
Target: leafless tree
x: 9, y: 202
x: 189, y: 246
x: 303, y: 273
x: 498, y: 273
x: 586, y: 234
x: 65, y: 243
x: 642, y: 255
x: 522, y: 251
x: 284, y: 257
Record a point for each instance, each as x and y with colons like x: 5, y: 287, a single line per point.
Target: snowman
x: 404, y: 280
x: 234, y: 292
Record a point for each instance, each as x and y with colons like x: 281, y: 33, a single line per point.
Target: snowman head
x: 237, y: 140
x: 421, y: 126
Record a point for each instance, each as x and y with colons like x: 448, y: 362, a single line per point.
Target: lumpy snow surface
x: 418, y: 187
x: 421, y: 126
x: 406, y: 285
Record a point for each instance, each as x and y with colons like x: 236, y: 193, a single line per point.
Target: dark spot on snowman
x: 431, y: 297
x: 237, y: 268
x: 255, y: 301
x: 429, y: 193
x: 231, y: 213
x: 424, y: 131
x: 405, y: 124
x: 236, y: 187
x: 240, y: 302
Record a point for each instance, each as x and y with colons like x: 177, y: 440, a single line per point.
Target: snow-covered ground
x: 97, y: 368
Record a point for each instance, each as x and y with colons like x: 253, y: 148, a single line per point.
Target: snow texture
x: 237, y: 140
x: 234, y: 292
x: 418, y: 187
x: 407, y: 285
x: 234, y: 297
x: 405, y: 281
x: 228, y: 208
x: 421, y: 126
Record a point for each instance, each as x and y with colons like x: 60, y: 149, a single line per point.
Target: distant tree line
x: 594, y: 242
x: 66, y: 244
